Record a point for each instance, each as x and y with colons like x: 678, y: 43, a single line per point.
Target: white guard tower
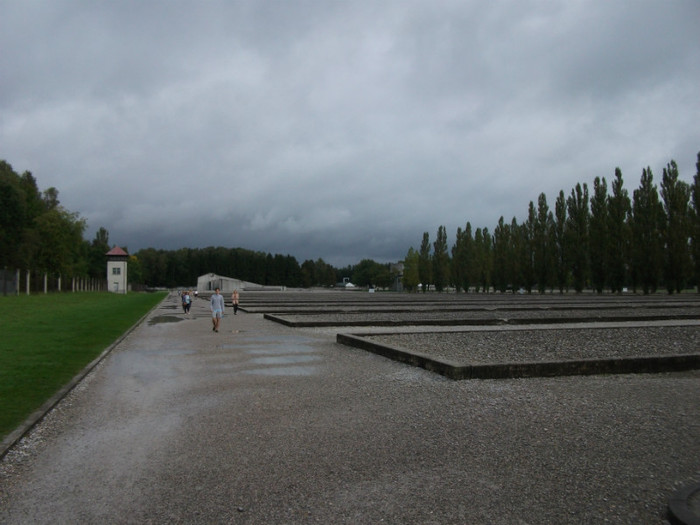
x: 116, y: 270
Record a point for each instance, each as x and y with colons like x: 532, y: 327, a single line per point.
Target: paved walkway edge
x: 23, y: 429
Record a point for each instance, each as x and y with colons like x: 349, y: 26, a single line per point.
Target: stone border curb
x: 451, y: 370
x: 25, y: 427
x: 477, y: 322
x: 681, y: 510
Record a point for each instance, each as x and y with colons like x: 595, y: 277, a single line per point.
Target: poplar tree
x: 676, y: 228
x: 559, y: 244
x: 543, y: 249
x: 468, y: 256
x: 441, y: 260
x: 424, y: 263
x: 647, y: 245
x: 599, y: 234
x: 577, y: 235
x: 528, y: 261
x: 457, y: 265
x: 619, y: 209
x: 501, y: 255
x: 410, y: 278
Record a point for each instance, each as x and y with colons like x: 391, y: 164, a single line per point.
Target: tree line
x: 600, y: 240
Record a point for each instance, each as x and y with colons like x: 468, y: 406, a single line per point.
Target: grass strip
x: 45, y: 340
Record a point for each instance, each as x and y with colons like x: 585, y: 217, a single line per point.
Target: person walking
x: 234, y: 300
x: 217, y: 309
x: 186, y: 301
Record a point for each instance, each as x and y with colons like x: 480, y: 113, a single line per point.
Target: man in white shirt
x: 217, y: 309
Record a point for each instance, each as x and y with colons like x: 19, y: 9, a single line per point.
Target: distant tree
x: 618, y: 245
x: 308, y: 273
x: 577, y: 235
x: 424, y: 262
x: 371, y: 273
x: 441, y: 260
x: 676, y: 229
x: 96, y: 255
x: 410, y: 278
x: 647, y: 243
x: 599, y: 234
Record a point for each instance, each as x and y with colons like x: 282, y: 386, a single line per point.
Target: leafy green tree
x: 410, y: 278
x: 425, y: 267
x: 618, y: 245
x: 441, y: 260
x: 647, y: 241
x: 599, y: 234
x: 13, y: 215
x: 676, y: 228
x: 60, y: 234
x: 577, y: 235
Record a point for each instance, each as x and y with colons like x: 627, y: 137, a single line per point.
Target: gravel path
x: 266, y: 424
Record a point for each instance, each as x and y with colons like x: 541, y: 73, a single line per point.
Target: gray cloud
x: 340, y: 130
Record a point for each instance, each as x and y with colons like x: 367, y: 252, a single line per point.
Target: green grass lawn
x: 45, y: 340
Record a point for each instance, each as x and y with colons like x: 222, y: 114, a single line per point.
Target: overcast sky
x: 339, y: 129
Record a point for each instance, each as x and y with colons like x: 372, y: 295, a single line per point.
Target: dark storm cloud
x: 340, y: 130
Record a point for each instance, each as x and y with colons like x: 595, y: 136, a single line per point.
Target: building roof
x: 117, y: 251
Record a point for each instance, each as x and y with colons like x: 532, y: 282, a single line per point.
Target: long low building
x: 210, y: 281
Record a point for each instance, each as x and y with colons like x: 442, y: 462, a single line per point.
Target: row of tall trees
x: 602, y: 240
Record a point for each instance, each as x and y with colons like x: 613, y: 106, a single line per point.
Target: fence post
x: 27, y: 280
x: 46, y: 283
x: 17, y: 282
x: 59, y: 282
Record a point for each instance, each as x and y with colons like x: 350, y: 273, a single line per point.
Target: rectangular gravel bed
x: 496, y: 346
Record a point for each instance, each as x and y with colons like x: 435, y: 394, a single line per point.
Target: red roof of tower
x: 117, y: 251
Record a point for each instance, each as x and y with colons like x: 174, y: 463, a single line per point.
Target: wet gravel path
x: 261, y: 423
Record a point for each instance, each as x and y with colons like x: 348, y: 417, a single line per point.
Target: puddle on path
x: 163, y: 319
x: 284, y: 359
x: 283, y: 371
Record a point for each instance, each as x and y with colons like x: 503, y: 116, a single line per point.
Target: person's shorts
x: 216, y: 313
